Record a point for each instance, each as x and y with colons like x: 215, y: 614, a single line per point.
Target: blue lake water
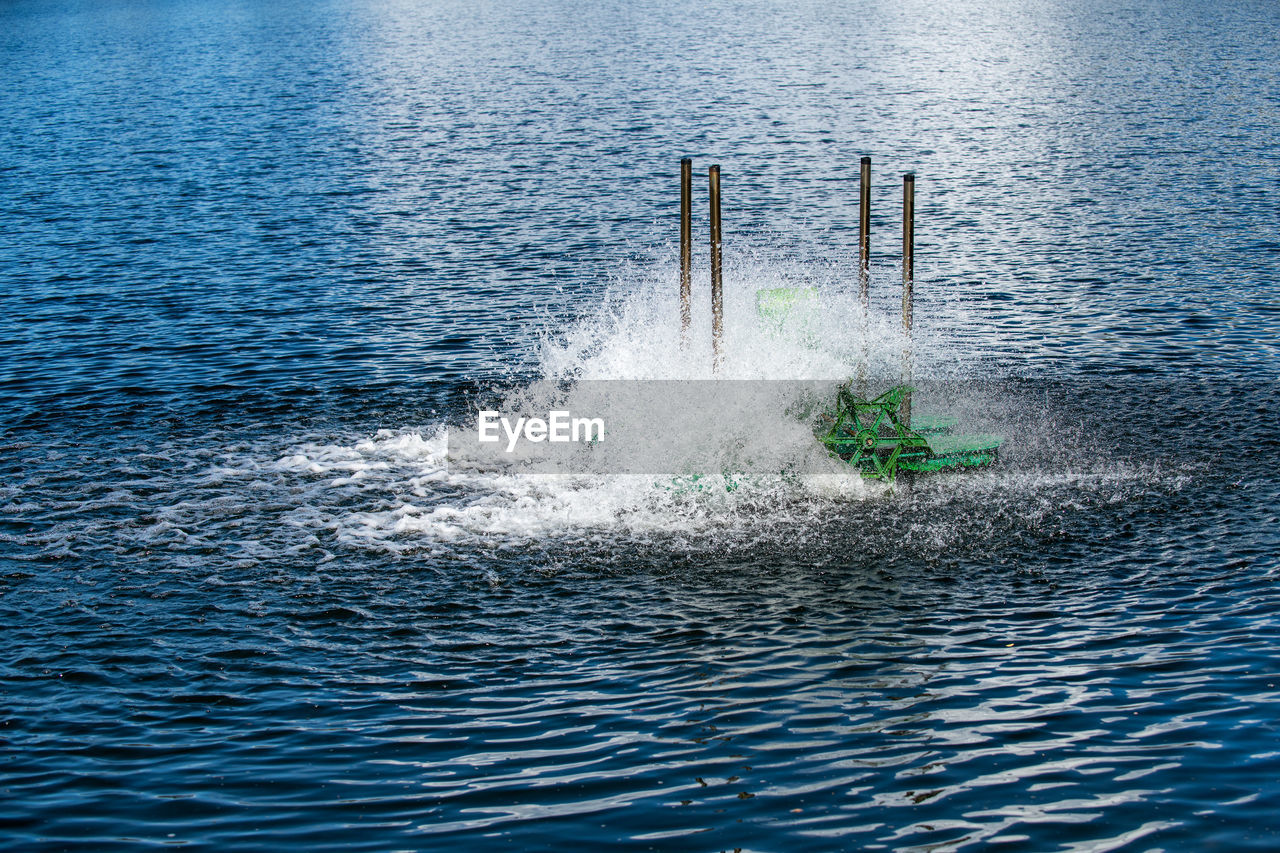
x: 256, y: 261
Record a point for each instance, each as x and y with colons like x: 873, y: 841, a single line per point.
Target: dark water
x: 256, y: 256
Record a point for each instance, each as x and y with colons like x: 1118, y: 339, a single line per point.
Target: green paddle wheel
x: 879, y: 437
x: 875, y: 437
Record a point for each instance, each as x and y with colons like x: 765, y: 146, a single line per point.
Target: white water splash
x: 759, y: 466
x: 743, y: 471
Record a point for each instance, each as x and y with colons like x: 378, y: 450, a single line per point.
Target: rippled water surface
x: 259, y: 259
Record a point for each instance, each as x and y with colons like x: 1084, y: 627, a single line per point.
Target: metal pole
x: 908, y: 278
x: 717, y: 304
x: 864, y: 231
x: 686, y: 244
x: 908, y: 245
x: 864, y: 266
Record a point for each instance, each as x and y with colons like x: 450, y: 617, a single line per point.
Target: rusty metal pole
x: 864, y: 232
x: 686, y: 246
x: 717, y: 302
x: 908, y: 278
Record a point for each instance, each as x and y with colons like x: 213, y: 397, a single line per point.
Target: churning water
x: 260, y: 261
